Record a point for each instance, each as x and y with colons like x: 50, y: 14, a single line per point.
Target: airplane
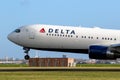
x: 97, y: 42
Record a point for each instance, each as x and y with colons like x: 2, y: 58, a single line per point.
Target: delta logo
x: 58, y: 31
x: 42, y: 30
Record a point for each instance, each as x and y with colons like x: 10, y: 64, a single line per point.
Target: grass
x: 60, y: 75
x: 98, y: 65
x: 78, y: 65
x: 13, y: 65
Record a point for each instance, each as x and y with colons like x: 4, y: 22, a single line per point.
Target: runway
x: 15, y: 69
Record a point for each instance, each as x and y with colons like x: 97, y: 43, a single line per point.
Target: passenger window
x: 91, y: 37
x: 102, y: 38
x: 115, y: 39
x: 105, y: 38
x: 76, y: 36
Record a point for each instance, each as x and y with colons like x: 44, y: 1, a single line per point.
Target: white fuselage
x: 63, y: 38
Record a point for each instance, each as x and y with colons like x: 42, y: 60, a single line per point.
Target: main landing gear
x: 26, y: 57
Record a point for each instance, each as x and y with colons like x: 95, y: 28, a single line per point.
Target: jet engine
x: 102, y: 52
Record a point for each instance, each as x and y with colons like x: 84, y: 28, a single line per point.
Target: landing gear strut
x: 26, y: 57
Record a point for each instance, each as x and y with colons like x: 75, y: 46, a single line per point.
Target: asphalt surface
x: 58, y: 69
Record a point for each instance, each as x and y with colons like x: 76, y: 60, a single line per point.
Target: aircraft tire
x: 27, y: 57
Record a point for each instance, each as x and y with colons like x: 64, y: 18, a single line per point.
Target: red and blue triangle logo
x: 42, y: 30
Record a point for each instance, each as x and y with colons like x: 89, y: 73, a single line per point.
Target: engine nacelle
x: 101, y: 52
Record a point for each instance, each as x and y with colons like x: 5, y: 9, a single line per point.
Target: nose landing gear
x: 26, y: 57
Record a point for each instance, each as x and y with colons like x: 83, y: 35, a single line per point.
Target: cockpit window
x: 17, y: 31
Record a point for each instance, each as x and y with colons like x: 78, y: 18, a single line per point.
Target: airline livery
x: 98, y: 43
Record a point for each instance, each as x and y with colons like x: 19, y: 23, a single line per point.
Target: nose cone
x: 10, y: 37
